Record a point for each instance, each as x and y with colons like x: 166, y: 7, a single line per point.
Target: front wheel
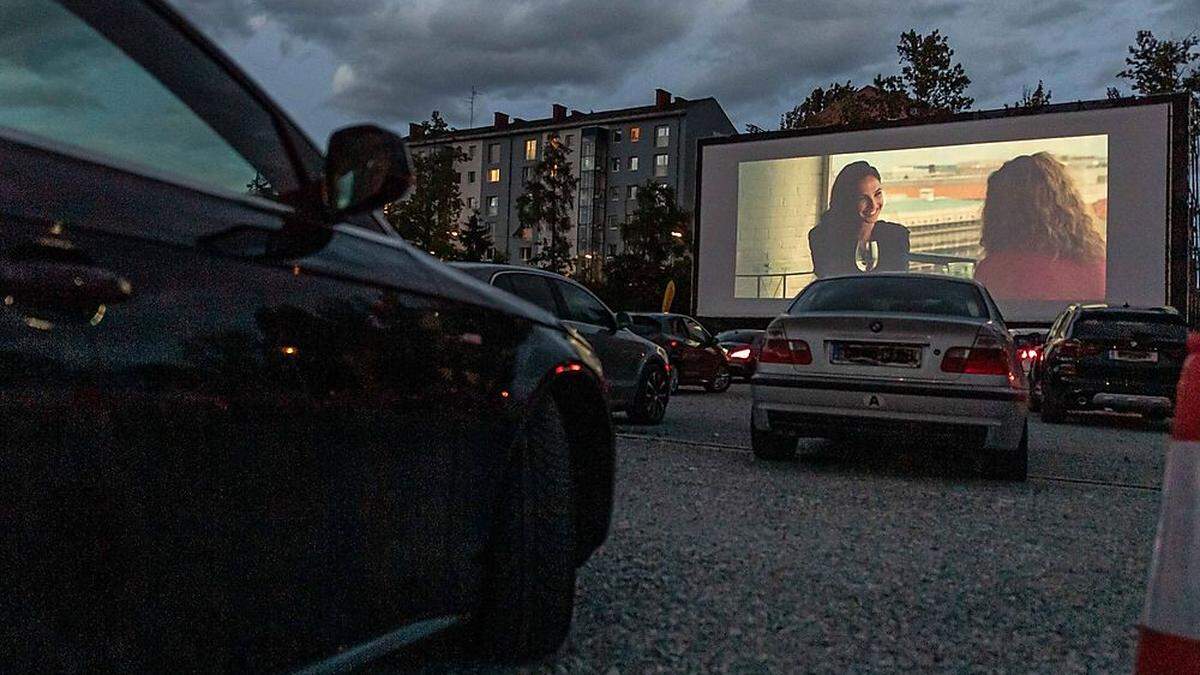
x: 528, y: 595
x: 720, y: 381
x: 653, y: 393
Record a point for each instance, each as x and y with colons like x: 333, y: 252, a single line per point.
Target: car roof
x: 903, y: 275
x: 488, y: 270
x: 1100, y: 306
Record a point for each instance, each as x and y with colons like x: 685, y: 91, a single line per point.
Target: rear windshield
x: 737, y: 335
x: 898, y: 295
x: 1128, y: 326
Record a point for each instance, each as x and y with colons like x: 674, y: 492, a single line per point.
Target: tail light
x: 989, y: 355
x: 1073, y: 349
x: 779, y: 349
x: 743, y: 353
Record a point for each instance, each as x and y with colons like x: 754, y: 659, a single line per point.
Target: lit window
x: 631, y: 192
x: 635, y: 134
x: 662, y: 137
x: 531, y: 149
x: 471, y: 175
x: 633, y: 163
x: 494, y: 153
x: 494, y: 175
x: 616, y: 135
x: 616, y: 163
x: 660, y: 164
x: 493, y: 205
x: 526, y: 253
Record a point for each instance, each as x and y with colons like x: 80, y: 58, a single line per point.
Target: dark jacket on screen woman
x: 834, y: 248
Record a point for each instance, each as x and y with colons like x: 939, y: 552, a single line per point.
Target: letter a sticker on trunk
x: 873, y: 401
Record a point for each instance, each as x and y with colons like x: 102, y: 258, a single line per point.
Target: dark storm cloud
x: 1053, y: 12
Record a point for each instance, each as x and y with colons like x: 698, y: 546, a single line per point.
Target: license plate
x: 1133, y: 356
x: 868, y: 354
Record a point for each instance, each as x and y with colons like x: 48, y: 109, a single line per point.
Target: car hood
x: 406, y: 267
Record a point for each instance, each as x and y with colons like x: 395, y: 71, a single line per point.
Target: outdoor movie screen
x: 1044, y: 210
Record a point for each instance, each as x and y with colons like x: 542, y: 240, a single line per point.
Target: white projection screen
x: 1079, y: 209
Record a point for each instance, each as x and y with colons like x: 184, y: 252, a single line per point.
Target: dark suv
x: 695, y: 355
x: 1101, y: 357
x: 636, y: 370
x: 244, y: 427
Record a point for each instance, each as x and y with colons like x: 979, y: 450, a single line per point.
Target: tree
x: 429, y: 217
x: 928, y: 75
x: 546, y: 205
x: 819, y: 101
x: 1157, y: 66
x: 476, y: 241
x: 1035, y: 98
x: 657, y: 237
x: 754, y: 129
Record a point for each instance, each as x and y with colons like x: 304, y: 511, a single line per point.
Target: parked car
x: 638, y: 371
x: 694, y: 353
x: 1029, y: 345
x: 742, y: 348
x: 244, y: 426
x: 1103, y: 357
x: 892, y: 355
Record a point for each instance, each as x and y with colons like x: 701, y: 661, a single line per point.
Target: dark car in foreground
x: 637, y: 371
x: 1118, y: 358
x: 696, y: 357
x: 742, y: 348
x: 245, y: 427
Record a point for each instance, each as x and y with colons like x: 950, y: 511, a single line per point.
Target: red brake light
x: 782, y: 350
x: 988, y: 356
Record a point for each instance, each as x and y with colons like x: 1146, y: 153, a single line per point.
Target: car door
x: 621, y: 352
x: 215, y: 428
x: 705, y: 354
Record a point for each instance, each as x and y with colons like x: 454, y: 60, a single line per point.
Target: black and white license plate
x: 1133, y: 355
x: 875, y: 354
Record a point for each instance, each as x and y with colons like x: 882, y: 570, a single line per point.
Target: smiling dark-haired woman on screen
x: 850, y: 238
x: 1038, y: 235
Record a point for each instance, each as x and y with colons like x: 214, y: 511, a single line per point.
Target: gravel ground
x: 862, y: 559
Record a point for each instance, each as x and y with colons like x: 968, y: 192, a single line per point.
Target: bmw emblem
x: 876, y: 326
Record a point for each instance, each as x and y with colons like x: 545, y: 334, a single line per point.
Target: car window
x: 1127, y: 326
x: 529, y: 287
x: 582, y: 306
x: 895, y: 295
x: 678, y: 329
x: 696, y: 331
x: 65, y: 81
x: 645, y: 326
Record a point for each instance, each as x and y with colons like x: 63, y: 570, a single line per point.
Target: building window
x: 524, y: 174
x: 660, y: 165
x: 631, y: 192
x: 614, y: 193
x: 493, y: 205
x: 472, y: 203
x: 526, y: 253
x: 570, y: 140
x: 635, y: 134
x: 457, y: 176
x: 616, y: 135
x: 585, y: 215
x: 471, y: 152
x: 612, y: 221
x: 471, y: 175
x: 633, y: 163
x: 494, y: 153
x: 616, y: 163
x: 662, y: 137
x: 494, y: 175
x: 612, y: 249
x: 531, y: 149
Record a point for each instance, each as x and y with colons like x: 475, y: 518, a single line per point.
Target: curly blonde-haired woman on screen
x: 1038, y: 236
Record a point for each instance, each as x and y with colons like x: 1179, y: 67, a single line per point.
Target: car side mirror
x: 366, y: 167
x: 624, y: 320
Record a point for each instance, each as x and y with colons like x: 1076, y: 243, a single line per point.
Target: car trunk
x: 871, y: 345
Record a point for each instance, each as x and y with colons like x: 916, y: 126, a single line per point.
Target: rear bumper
x: 825, y: 407
x: 1078, y: 394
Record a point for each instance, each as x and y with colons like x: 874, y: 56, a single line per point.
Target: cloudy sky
x: 335, y: 62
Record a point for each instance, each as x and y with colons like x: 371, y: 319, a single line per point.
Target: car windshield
x: 1129, y: 326
x: 893, y: 295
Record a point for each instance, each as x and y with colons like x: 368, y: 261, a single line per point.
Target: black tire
x: 720, y: 381
x: 528, y: 595
x: 653, y: 394
x: 1013, y: 464
x: 771, y: 446
x: 1053, y: 411
x: 1035, y: 398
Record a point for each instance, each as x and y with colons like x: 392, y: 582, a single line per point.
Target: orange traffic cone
x: 1170, y: 631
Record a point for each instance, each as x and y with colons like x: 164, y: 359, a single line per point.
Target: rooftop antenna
x: 471, y: 123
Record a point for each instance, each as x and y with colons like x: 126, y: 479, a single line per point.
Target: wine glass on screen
x: 866, y: 255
